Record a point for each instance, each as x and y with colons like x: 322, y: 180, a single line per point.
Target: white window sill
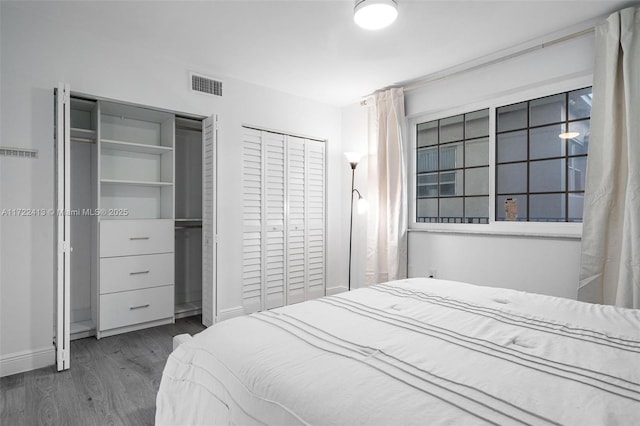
x: 572, y: 231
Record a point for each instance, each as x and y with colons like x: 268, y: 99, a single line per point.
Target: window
x: 541, y: 157
x: 452, y: 165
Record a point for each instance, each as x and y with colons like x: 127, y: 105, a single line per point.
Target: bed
x: 417, y: 351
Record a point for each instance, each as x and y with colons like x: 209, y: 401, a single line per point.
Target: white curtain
x: 386, y: 191
x: 610, y: 264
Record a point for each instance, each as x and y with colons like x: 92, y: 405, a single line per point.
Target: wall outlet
x: 432, y: 273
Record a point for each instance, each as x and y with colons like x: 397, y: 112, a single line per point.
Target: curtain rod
x: 417, y: 84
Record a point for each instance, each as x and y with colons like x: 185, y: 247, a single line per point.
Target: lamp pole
x: 353, y: 174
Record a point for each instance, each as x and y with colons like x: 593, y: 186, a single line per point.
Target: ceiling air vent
x: 202, y: 84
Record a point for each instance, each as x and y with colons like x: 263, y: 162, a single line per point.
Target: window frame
x: 565, y: 230
x: 451, y: 171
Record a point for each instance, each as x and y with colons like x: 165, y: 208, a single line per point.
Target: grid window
x: 452, y: 164
x: 541, y: 158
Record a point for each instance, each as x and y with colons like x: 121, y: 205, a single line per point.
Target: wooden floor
x: 112, y: 381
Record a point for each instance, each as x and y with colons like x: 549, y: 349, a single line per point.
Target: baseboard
x: 335, y: 290
x: 229, y: 313
x: 19, y: 362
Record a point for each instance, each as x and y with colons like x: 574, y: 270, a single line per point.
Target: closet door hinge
x: 64, y: 247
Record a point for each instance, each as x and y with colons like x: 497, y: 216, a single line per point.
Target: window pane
x: 427, y: 185
x: 428, y: 133
x: 477, y: 124
x: 579, y: 144
x: 477, y: 181
x: 547, y: 208
x: 451, y: 129
x: 576, y: 205
x: 512, y: 117
x: 580, y: 103
x: 427, y: 159
x: 547, y: 176
x: 512, y: 146
x: 442, y: 166
x: 451, y: 183
x: 476, y: 152
x: 544, y: 142
x: 547, y: 110
x: 476, y: 209
x: 521, y: 204
x: 451, y: 156
x: 427, y: 210
x: 512, y: 178
x: 577, y: 173
x: 451, y: 208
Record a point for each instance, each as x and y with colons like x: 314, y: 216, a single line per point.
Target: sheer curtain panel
x: 610, y: 265
x: 387, y: 222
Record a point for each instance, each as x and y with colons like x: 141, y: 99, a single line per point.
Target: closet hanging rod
x: 83, y: 140
x: 188, y: 128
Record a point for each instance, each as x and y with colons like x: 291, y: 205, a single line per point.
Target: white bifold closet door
x: 274, y: 205
x: 315, y: 231
x: 63, y: 225
x: 296, y: 182
x: 283, y: 219
x: 209, y: 222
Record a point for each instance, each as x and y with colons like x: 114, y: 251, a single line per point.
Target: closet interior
x: 136, y: 184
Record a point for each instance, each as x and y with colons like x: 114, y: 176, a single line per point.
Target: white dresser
x: 136, y: 274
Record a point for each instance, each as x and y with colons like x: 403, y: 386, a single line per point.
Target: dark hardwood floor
x: 112, y: 381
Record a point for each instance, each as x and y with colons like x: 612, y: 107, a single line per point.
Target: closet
x: 188, y: 217
x: 284, y: 230
x: 129, y: 192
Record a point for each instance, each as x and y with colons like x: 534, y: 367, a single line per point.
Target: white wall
x: 535, y: 264
x: 39, y: 49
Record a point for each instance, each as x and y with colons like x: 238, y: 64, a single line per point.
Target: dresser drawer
x: 136, y: 306
x: 135, y: 272
x: 131, y: 237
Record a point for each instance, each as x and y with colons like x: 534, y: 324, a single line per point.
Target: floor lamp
x: 354, y: 158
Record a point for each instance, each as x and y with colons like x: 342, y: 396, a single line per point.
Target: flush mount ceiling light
x: 568, y: 135
x: 375, y: 14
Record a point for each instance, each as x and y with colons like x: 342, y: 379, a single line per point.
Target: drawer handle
x: 138, y: 238
x: 138, y: 273
x: 139, y: 307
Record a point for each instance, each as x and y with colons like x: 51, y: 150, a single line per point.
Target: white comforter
x: 419, y: 351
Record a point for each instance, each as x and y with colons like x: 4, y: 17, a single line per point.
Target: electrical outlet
x: 432, y: 273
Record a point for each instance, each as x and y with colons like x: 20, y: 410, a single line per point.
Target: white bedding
x: 418, y: 351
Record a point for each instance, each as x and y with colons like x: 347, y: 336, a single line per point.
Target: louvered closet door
x: 274, y: 197
x: 252, y: 264
x: 296, y: 253
x: 315, y: 209
x: 209, y: 229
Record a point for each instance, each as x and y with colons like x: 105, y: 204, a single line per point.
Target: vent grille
x: 18, y: 152
x: 202, y: 84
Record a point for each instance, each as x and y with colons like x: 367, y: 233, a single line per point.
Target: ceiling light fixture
x: 568, y: 135
x: 375, y: 14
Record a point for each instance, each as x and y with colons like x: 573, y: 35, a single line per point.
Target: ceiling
x: 313, y: 48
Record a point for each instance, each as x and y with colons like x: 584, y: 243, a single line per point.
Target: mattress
x: 417, y: 351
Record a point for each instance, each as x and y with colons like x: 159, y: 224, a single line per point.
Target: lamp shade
x: 363, y: 205
x: 375, y: 14
x: 353, y: 157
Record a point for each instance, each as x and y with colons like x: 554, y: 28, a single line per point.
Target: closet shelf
x: 134, y: 182
x: 134, y: 147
